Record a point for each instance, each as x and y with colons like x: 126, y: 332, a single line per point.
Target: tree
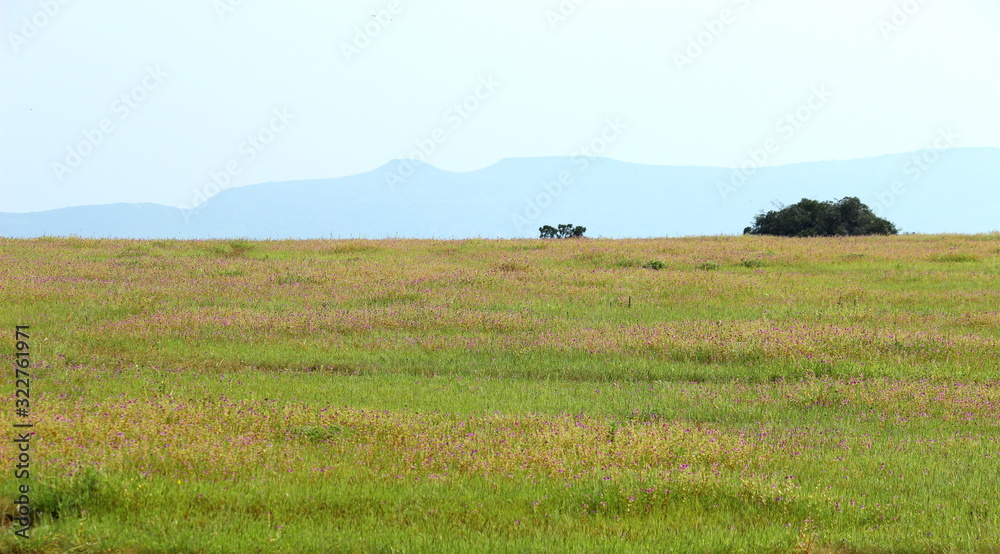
x: 567, y: 231
x: 810, y: 218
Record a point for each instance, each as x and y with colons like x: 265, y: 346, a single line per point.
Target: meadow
x: 713, y: 394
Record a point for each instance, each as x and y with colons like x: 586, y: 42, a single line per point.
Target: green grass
x: 820, y: 395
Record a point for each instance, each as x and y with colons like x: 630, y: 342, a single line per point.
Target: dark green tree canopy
x: 567, y: 231
x: 811, y: 218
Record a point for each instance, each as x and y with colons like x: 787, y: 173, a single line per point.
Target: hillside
x: 516, y: 196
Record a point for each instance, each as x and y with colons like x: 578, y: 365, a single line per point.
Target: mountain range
x: 928, y: 191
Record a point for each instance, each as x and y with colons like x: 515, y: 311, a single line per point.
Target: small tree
x: 810, y: 218
x: 567, y: 231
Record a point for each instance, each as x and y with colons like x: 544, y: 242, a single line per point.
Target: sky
x: 112, y: 101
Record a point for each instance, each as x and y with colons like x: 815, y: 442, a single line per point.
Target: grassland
x: 689, y: 395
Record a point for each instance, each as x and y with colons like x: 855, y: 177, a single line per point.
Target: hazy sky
x: 113, y: 101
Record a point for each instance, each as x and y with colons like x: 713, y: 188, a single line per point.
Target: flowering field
x: 705, y: 394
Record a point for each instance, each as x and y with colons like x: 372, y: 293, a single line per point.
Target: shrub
x: 810, y: 218
x: 567, y: 231
x: 654, y: 265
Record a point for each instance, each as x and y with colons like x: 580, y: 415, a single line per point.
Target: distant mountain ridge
x: 928, y: 191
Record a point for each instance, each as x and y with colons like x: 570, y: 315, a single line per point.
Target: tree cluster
x: 567, y: 231
x: 810, y: 218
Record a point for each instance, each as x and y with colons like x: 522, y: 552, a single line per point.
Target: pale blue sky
x: 341, y: 89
